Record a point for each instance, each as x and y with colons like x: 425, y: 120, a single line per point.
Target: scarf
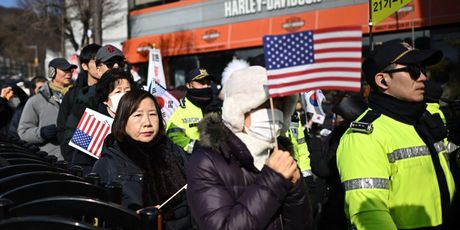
x: 162, y: 169
x: 200, y: 97
x: 260, y: 150
x: 61, y: 90
x: 402, y: 111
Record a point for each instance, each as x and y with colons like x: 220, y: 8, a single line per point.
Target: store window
x: 140, y: 4
x: 214, y: 63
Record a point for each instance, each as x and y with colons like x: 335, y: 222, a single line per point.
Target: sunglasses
x: 110, y: 64
x: 413, y: 70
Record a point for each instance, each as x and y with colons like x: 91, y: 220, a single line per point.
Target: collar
x: 403, y: 111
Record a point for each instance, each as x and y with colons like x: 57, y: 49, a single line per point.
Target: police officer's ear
x: 380, y: 81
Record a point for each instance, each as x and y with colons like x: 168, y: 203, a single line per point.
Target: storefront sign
x: 293, y: 24
x: 210, y: 36
x: 243, y: 7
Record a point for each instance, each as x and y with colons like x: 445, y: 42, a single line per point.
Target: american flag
x: 90, y: 133
x: 320, y: 59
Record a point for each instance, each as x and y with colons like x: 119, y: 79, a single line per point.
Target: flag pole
x: 273, y: 123
x: 175, y: 194
x: 371, y: 37
x: 413, y: 24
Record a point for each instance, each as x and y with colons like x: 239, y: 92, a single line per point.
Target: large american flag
x: 90, y: 133
x: 309, y: 60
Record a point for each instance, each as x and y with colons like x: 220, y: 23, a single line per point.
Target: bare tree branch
x: 46, y: 15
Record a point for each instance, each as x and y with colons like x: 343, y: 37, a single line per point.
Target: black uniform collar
x: 406, y: 112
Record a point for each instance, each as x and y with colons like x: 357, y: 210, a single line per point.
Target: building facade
x: 209, y: 33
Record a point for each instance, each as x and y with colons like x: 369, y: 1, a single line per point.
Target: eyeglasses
x: 413, y: 70
x: 110, y: 64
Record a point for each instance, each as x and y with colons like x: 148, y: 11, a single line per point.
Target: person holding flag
x: 182, y: 125
x: 243, y: 174
x: 139, y: 156
x: 109, y: 90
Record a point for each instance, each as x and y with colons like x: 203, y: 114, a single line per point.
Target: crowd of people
x: 387, y: 160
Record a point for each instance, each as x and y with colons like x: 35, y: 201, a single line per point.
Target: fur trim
x: 234, y: 65
x: 213, y: 132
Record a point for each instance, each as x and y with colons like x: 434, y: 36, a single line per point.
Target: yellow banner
x: 380, y: 9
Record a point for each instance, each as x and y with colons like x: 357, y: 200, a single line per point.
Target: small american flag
x: 320, y: 59
x: 90, y: 133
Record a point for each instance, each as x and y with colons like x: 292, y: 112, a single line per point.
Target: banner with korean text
x: 381, y: 9
x: 155, y: 71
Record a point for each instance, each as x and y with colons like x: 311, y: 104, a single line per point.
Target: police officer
x: 392, y: 160
x: 297, y: 136
x: 182, y: 125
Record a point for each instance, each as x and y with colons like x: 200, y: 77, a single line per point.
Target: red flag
x: 309, y: 60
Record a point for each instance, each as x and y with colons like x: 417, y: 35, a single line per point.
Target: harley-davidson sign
x: 244, y: 7
x: 210, y: 36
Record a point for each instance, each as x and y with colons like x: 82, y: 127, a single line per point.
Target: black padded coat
x: 226, y: 191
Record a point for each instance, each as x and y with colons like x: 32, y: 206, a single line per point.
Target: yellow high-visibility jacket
x: 389, y: 178
x: 436, y: 108
x: 301, y: 154
x: 182, y: 126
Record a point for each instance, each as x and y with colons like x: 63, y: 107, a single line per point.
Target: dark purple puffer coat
x: 226, y: 191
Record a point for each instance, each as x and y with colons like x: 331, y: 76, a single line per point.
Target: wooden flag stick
x: 272, y: 107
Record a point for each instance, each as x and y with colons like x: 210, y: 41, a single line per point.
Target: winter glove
x: 49, y: 133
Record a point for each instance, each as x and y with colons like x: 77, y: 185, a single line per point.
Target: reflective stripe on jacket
x: 389, y: 177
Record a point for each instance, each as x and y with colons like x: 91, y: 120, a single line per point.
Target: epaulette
x: 364, y: 125
x: 182, y: 103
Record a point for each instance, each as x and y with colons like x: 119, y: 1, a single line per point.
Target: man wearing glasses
x: 37, y: 124
x: 393, y: 160
x: 107, y: 57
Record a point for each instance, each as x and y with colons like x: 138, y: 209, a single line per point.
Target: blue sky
x: 8, y: 3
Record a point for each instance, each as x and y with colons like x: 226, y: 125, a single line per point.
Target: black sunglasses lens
x: 111, y: 64
x: 415, y: 71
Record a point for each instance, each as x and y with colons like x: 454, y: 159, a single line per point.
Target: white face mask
x: 115, y: 99
x: 262, y: 124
